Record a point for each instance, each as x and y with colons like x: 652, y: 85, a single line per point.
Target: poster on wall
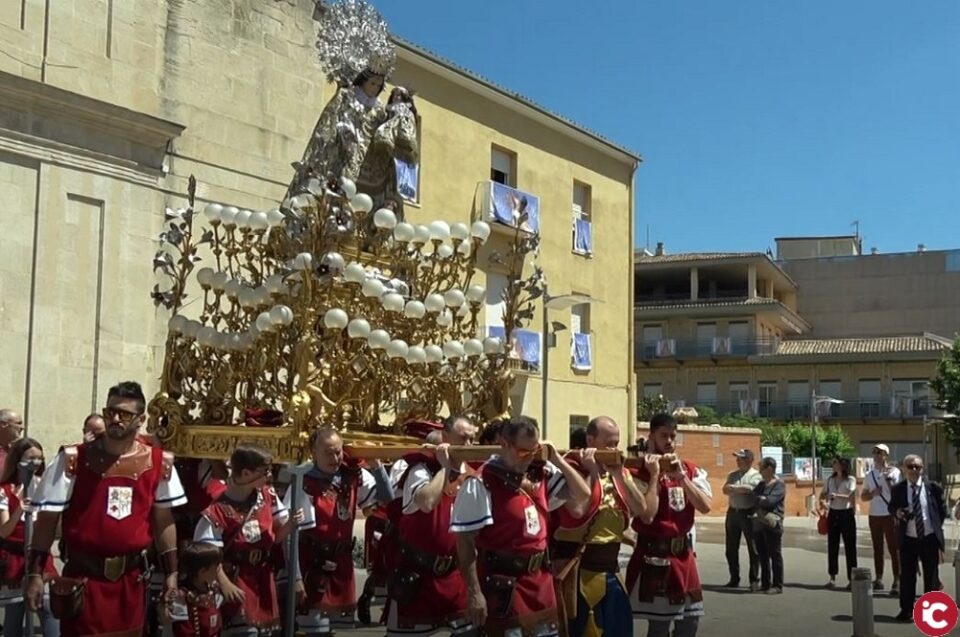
x: 776, y: 453
x: 803, y: 468
x: 863, y: 466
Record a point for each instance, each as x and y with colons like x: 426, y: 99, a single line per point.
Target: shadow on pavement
x: 714, y: 588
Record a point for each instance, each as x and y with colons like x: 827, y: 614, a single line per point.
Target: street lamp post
x: 560, y: 302
x: 815, y: 402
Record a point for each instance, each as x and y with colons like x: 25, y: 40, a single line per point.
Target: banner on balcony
x: 509, y: 204
x: 580, y: 351
x: 524, y: 345
x: 407, y: 179
x: 582, y: 236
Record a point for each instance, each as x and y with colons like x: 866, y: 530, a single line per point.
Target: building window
x: 652, y: 390
x: 739, y: 333
x: 652, y: 334
x: 582, y: 221
x: 798, y: 400
x: 706, y: 333
x: 910, y: 397
x: 868, y: 393
x: 766, y: 397
x: 503, y: 166
x: 829, y: 389
x: 707, y: 394
x: 739, y: 398
x: 581, y: 346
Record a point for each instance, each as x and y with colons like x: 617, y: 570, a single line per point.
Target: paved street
x: 805, y: 609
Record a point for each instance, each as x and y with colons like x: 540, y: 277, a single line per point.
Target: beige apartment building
x: 107, y: 108
x: 732, y: 331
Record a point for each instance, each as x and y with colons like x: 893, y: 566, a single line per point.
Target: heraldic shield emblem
x: 678, y: 501
x: 119, y: 502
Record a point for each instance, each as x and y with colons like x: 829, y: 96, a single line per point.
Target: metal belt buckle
x: 114, y: 567
x: 442, y: 564
x: 255, y: 557
x: 536, y: 561
x: 677, y: 545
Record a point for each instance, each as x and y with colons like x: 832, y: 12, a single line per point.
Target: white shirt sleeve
x: 557, y: 491
x: 279, y: 510
x: 309, y: 515
x: 170, y: 492
x: 206, y: 531
x: 396, y: 472
x: 4, y: 501
x: 702, y: 483
x: 418, y: 477
x: 55, y: 488
x: 367, y: 491
x: 472, y: 510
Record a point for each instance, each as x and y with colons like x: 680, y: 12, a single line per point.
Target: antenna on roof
x: 648, y: 237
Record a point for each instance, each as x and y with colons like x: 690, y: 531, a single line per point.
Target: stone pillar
x: 768, y: 293
x: 752, y: 281
x: 694, y: 284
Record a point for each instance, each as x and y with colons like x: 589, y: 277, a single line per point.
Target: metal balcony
x: 694, y: 349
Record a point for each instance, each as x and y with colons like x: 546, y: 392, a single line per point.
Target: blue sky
x: 755, y: 119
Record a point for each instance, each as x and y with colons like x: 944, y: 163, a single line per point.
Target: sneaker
x: 878, y: 585
x: 905, y: 617
x: 895, y: 588
x: 774, y: 590
x: 734, y: 583
x: 831, y: 584
x: 754, y: 587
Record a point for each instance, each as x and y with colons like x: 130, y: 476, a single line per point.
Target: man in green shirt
x: 739, y: 488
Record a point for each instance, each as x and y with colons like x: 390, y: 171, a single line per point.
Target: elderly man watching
x: 11, y: 428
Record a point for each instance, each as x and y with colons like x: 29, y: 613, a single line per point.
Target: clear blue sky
x: 756, y: 119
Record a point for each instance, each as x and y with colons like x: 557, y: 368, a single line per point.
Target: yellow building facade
x: 107, y: 108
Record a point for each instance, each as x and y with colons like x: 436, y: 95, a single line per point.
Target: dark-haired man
x: 427, y: 592
x: 335, y: 488
x: 586, y: 548
x: 662, y: 577
x: 500, y: 516
x: 116, y: 496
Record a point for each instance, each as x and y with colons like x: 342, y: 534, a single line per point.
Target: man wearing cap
x: 740, y: 486
x: 877, y: 485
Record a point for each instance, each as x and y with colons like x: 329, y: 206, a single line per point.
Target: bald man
x: 590, y: 591
x: 11, y: 428
x: 93, y: 427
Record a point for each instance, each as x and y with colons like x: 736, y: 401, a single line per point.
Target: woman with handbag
x: 839, y: 496
x: 768, y: 531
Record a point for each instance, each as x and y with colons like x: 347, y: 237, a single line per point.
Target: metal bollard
x: 861, y: 587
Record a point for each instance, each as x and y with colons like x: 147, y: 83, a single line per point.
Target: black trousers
x: 842, y: 524
x: 769, y: 548
x: 912, y: 552
x: 738, y: 523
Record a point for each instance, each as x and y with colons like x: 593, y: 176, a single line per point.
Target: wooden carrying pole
x: 464, y: 453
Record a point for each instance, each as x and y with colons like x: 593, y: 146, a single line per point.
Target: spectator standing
x: 839, y: 497
x: 11, y: 428
x: 877, y: 486
x: 770, y: 494
x: 920, y: 510
x: 739, y: 487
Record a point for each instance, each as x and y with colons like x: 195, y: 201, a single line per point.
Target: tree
x: 946, y: 384
x: 647, y: 407
x: 832, y: 442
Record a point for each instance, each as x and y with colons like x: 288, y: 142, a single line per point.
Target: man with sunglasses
x: 11, y: 428
x: 876, y: 490
x: 662, y: 576
x: 501, y: 517
x: 115, y: 495
x: 920, y: 510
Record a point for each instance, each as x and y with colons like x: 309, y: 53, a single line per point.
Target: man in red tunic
x: 662, y: 578
x: 334, y: 488
x: 501, y: 518
x: 116, y: 496
x: 427, y: 591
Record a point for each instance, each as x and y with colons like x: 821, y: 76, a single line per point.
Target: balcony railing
x: 882, y: 408
x: 719, y: 347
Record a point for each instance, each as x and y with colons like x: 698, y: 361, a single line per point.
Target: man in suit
x: 920, y: 510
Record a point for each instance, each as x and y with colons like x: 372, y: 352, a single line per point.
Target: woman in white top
x: 839, y: 496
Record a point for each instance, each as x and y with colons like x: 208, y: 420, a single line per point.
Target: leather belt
x: 327, y: 550
x: 253, y: 557
x: 110, y: 568
x: 16, y: 548
x: 437, y: 564
x: 512, y: 564
x: 676, y: 546
x: 601, y: 558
